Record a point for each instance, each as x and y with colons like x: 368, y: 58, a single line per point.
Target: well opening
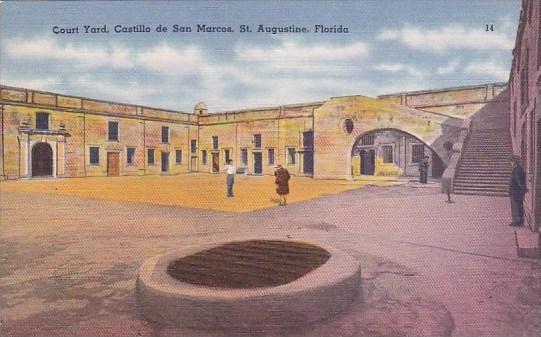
x: 249, y: 264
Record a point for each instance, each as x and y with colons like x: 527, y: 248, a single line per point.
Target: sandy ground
x: 68, y: 264
x: 198, y: 190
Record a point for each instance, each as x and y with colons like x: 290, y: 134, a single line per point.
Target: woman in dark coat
x: 282, y: 183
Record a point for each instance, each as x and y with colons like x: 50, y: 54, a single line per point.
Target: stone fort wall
x: 78, y: 123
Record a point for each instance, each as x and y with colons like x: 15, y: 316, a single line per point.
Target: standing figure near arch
x: 423, y: 170
x: 282, y: 182
x: 517, y: 189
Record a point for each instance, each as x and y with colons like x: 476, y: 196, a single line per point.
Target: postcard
x: 270, y: 168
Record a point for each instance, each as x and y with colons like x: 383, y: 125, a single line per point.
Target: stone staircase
x: 484, y: 167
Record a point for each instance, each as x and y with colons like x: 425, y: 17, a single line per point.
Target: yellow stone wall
x: 86, y: 122
x: 434, y: 120
x: 280, y: 127
x: 459, y: 102
x: 333, y: 145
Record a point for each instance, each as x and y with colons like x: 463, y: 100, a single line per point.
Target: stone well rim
x: 153, y: 274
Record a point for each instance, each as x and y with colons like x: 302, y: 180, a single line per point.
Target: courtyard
x: 70, y: 250
x: 196, y: 190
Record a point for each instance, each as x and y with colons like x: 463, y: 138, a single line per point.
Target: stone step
x: 499, y: 167
x: 482, y: 159
x: 495, y: 149
x: 481, y: 183
x: 487, y: 154
x: 488, y: 145
x: 483, y: 175
x: 490, y: 174
x: 490, y: 136
x: 474, y: 182
x: 478, y: 162
x: 485, y: 193
x: 496, y: 153
x: 461, y: 176
x: 501, y: 185
x: 491, y: 166
x: 503, y: 188
x: 485, y: 161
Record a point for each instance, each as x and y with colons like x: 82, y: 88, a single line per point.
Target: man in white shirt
x: 230, y: 170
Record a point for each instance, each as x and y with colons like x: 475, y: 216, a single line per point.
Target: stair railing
x: 448, y: 177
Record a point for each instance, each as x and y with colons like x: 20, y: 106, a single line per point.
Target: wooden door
x: 215, y: 162
x: 113, y: 163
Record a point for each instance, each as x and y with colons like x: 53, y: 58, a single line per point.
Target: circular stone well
x: 247, y: 284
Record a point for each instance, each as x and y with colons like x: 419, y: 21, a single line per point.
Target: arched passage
x: 392, y: 152
x: 42, y: 160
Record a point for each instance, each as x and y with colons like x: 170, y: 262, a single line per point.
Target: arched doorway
x: 42, y: 160
x: 392, y: 152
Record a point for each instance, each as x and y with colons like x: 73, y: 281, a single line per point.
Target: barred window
x: 193, y: 146
x: 387, y: 153
x: 113, y: 131
x: 42, y: 121
x: 150, y: 156
x: 257, y: 140
x: 130, y: 157
x: 204, y: 157
x: 165, y: 134
x: 524, y: 81
x: 291, y: 154
x: 94, y: 155
x: 244, y: 157
x: 417, y: 153
x: 271, y: 156
x: 368, y: 139
x: 178, y: 155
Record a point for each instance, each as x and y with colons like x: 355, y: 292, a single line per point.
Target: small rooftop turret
x: 200, y: 109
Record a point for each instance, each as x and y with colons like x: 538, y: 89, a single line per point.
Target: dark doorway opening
x: 258, y: 163
x: 368, y: 161
x: 42, y: 160
x: 308, y: 145
x: 437, y: 167
x: 215, y: 162
x: 308, y: 164
x: 165, y: 162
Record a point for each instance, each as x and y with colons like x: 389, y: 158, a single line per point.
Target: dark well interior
x: 249, y: 264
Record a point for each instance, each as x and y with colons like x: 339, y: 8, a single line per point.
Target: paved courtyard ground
x: 197, y: 190
x: 68, y: 262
